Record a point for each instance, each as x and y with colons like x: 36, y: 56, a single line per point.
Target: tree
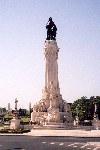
x: 84, y: 108
x: 22, y: 112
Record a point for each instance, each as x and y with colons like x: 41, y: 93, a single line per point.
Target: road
x: 48, y: 143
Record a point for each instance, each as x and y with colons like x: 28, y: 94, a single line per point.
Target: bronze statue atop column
x: 51, y: 30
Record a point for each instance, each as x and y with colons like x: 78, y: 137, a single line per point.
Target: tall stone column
x: 51, y: 66
x: 51, y: 91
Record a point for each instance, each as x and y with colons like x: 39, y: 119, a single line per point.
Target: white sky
x: 22, y: 37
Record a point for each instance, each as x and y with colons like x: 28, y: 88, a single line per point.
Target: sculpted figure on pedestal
x: 51, y: 30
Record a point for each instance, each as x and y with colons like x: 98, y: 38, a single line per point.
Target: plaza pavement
x: 68, y: 133
x: 77, y: 132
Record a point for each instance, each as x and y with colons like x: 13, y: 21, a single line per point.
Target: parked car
x: 87, y: 123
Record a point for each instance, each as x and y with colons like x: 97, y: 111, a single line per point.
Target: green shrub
x: 14, y: 131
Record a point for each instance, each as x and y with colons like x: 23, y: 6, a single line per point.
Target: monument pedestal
x: 15, y: 124
x: 96, y: 121
x: 96, y: 124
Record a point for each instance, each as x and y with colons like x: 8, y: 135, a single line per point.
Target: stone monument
x: 96, y: 121
x: 15, y: 122
x: 51, y: 109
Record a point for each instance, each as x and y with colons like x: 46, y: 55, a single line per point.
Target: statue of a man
x: 51, y: 30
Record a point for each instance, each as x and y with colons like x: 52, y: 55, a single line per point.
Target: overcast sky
x: 22, y: 37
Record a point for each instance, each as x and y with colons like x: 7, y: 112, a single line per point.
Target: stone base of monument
x: 53, y: 125
x: 96, y: 124
x: 15, y: 124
